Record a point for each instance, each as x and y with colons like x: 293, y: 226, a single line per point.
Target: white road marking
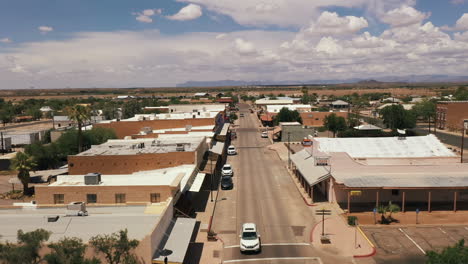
x: 441, y: 230
x: 414, y: 242
x: 267, y: 259
x: 275, y: 244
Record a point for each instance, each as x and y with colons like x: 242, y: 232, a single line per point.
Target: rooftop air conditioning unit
x: 92, y: 179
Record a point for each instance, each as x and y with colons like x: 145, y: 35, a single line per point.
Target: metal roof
x: 178, y: 241
x: 403, y: 180
x: 304, y: 162
x: 386, y: 147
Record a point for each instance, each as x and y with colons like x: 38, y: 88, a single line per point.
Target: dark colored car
x: 226, y: 183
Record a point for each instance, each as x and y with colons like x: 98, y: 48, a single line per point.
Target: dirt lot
x: 408, y: 244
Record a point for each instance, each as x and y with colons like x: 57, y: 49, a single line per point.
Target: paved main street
x: 265, y: 194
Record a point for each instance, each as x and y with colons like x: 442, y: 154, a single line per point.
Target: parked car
x: 227, y: 170
x: 231, y: 150
x: 241, y: 115
x: 249, y: 238
x: 264, y: 134
x: 226, y: 183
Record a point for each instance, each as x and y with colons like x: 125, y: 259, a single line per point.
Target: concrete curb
x: 374, y: 251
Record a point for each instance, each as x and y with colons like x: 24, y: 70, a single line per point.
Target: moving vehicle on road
x: 227, y: 170
x: 226, y: 183
x: 264, y: 134
x: 231, y: 150
x: 249, y: 238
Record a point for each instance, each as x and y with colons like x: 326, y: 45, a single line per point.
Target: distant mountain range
x: 403, y: 79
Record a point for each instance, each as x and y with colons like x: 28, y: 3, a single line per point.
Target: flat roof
x: 173, y: 116
x: 139, y: 222
x: 386, y: 147
x: 277, y: 108
x: 304, y: 162
x: 178, y: 241
x: 161, y: 177
x: 279, y: 102
x: 144, y: 146
x: 189, y: 128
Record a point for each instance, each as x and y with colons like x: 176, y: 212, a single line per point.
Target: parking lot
x: 409, y: 244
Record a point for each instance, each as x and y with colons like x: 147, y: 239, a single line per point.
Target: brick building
x: 450, y: 114
x: 129, y: 156
x: 316, y: 119
x: 142, y: 187
x: 133, y: 127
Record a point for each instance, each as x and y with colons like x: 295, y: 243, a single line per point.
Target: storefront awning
x: 177, y: 244
x: 197, y: 183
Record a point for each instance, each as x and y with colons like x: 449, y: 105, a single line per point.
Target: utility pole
x: 3, y: 146
x: 289, y: 150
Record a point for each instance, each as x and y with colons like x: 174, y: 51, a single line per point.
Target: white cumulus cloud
x: 5, y: 40
x: 404, y: 16
x: 244, y: 47
x: 188, y: 12
x: 45, y: 29
x: 462, y: 23
x: 145, y: 15
x: 295, y: 13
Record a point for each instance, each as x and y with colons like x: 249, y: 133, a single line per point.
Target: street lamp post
x: 211, y: 179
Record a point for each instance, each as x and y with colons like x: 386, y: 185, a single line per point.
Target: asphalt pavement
x: 265, y: 194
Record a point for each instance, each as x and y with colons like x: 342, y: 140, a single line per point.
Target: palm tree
x: 80, y: 114
x: 23, y: 163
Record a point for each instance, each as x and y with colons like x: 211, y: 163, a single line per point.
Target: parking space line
x: 447, y: 234
x: 414, y: 242
x: 268, y: 259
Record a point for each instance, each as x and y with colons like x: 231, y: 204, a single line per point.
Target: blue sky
x: 218, y: 39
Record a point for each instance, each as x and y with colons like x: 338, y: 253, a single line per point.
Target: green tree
x: 461, y: 94
x: 34, y: 112
x: 131, y: 108
x: 116, y: 248
x: 69, y: 251
x: 80, y: 114
x: 23, y: 163
x: 395, y: 116
x: 450, y: 255
x: 98, y: 135
x: 334, y: 123
x: 6, y: 113
x: 286, y: 115
x: 26, y: 250
x: 426, y: 110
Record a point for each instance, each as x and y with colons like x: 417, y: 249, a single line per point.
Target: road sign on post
x: 323, y: 212
x: 417, y: 213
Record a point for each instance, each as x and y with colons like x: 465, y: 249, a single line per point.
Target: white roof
x: 265, y: 101
x: 172, y: 116
x: 198, y: 182
x: 190, y: 128
x: 386, y: 147
x: 163, y: 177
x: 277, y: 108
x: 339, y: 102
x: 145, y: 145
x: 178, y: 241
x: 304, y: 162
x: 367, y: 127
x: 101, y: 220
x: 183, y: 108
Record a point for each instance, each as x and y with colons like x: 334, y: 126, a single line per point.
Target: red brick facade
x: 127, y: 164
x: 104, y: 194
x: 450, y: 115
x: 316, y: 119
x: 128, y: 128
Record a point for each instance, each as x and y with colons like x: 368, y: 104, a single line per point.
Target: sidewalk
x: 344, y: 240
x: 212, y: 250
x: 424, y: 218
x: 336, y: 227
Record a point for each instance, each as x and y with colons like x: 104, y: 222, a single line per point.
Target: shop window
x: 59, y: 198
x: 120, y: 198
x: 155, y: 197
x: 395, y: 192
x: 91, y: 198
